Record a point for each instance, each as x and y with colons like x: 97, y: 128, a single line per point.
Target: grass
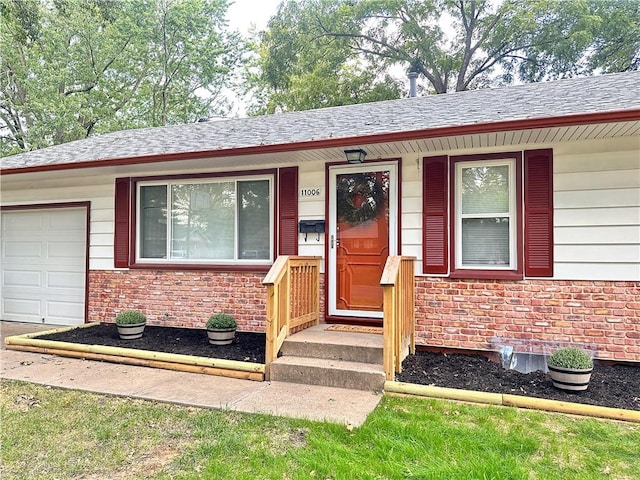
x: 54, y: 434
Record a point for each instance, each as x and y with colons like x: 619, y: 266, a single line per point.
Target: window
x: 485, y: 215
x: 211, y: 221
x: 171, y: 221
x: 489, y: 216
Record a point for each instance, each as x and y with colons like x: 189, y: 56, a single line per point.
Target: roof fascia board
x: 508, y: 125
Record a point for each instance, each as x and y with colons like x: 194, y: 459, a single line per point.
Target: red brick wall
x: 467, y: 314
x: 178, y: 298
x: 449, y: 313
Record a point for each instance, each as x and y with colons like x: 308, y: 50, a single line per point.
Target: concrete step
x: 316, y: 342
x: 328, y: 373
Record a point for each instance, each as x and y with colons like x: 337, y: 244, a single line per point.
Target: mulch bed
x: 247, y: 346
x: 615, y: 386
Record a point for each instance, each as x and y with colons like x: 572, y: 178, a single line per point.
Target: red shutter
x: 122, y: 218
x: 538, y: 213
x: 435, y: 211
x: 288, y: 211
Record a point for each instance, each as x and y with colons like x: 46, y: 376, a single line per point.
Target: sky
x: 243, y: 13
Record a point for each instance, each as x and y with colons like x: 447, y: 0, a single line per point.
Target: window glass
x: 225, y: 220
x: 485, y: 190
x: 153, y: 221
x: 203, y: 220
x: 253, y: 221
x: 485, y: 225
x: 485, y: 241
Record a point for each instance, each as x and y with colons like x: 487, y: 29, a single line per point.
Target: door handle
x: 334, y: 243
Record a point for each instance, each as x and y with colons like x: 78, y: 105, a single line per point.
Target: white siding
x: 312, y: 175
x: 411, y: 204
x: 597, y: 210
x: 596, y: 196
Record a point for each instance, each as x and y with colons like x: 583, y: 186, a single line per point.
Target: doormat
x: 354, y: 329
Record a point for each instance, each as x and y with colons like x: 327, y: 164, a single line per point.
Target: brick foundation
x: 467, y: 314
x: 178, y: 298
x: 461, y: 314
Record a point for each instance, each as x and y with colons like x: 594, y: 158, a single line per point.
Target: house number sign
x: 311, y: 193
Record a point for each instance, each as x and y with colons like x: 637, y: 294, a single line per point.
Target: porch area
x: 300, y: 349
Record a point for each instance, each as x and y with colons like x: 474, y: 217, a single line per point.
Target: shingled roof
x: 411, y: 117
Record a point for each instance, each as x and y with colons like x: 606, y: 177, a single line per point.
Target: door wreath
x: 361, y: 198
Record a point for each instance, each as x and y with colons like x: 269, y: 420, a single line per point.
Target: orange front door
x: 361, y: 217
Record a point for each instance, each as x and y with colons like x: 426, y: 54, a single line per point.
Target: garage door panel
x: 63, y: 221
x: 26, y: 222
x: 21, y: 278
x: 66, y: 280
x: 64, y: 250
x: 22, y: 249
x: 66, y: 311
x: 44, y: 265
x: 22, y: 307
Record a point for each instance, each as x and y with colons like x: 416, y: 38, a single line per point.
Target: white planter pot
x: 132, y: 331
x: 221, y: 336
x: 570, y: 378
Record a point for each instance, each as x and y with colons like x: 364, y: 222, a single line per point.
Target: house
x: 521, y: 206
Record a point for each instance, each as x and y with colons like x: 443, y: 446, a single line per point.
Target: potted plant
x: 570, y: 368
x: 221, y: 329
x: 130, y: 324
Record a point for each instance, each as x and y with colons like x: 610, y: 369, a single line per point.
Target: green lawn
x: 49, y: 434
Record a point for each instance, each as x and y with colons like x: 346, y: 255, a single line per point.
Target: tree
x: 454, y: 45
x: 72, y: 68
x: 300, y: 68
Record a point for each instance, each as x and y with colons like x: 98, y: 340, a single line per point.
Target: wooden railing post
x: 293, y: 301
x: 398, y: 285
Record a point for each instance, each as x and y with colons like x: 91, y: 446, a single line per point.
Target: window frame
x: 226, y: 264
x: 510, y: 214
x: 512, y: 272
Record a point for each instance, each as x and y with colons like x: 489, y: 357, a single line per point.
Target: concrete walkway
x: 336, y: 405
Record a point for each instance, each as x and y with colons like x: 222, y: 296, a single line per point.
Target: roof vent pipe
x: 412, y: 83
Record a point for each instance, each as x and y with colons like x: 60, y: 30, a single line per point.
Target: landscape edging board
x: 512, y: 401
x: 188, y: 363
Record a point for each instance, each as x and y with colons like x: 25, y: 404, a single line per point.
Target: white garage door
x: 44, y: 265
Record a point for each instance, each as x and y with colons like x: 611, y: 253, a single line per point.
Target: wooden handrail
x: 398, y: 287
x: 293, y: 300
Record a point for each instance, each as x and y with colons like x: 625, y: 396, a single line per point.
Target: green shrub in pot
x: 221, y: 329
x: 130, y: 324
x: 130, y: 317
x: 221, y: 321
x: 570, y: 369
x: 570, y: 357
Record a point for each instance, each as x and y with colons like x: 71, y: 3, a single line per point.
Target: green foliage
x: 570, y: 357
x: 72, y: 68
x: 325, y: 52
x: 299, y: 67
x: 616, y: 36
x: 221, y: 320
x: 130, y: 317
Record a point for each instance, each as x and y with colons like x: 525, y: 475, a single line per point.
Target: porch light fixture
x: 355, y: 156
